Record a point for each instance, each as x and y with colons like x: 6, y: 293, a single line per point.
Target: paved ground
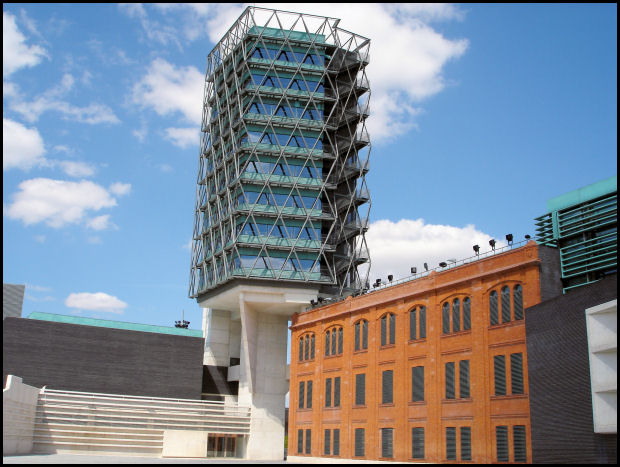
x: 80, y: 459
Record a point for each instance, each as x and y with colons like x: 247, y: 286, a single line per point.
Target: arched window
x: 306, y: 347
x: 333, y: 341
x: 505, y: 304
x: 388, y: 329
x: 361, y: 335
x: 417, y: 323
x: 517, y: 300
x: 493, y: 308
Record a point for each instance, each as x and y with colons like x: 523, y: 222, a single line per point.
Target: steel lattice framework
x: 281, y: 190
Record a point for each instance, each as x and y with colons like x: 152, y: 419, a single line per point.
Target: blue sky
x: 480, y: 115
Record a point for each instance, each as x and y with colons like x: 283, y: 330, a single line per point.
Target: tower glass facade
x: 281, y: 191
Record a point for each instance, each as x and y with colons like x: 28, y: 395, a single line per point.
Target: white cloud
x: 100, y: 223
x: 51, y: 101
x: 183, y: 137
x: 76, y: 169
x: 169, y: 90
x: 98, y: 301
x: 395, y: 247
x: 56, y: 202
x: 15, y: 53
x: 165, y: 168
x: 22, y: 147
x: 120, y: 189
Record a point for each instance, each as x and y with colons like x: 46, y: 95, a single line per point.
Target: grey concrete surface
x: 81, y: 459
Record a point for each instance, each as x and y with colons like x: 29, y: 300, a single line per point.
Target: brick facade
x: 440, y: 415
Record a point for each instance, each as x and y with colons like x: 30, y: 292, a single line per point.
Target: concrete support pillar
x: 262, y: 383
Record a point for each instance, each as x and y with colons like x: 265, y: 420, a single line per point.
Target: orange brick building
x: 433, y: 369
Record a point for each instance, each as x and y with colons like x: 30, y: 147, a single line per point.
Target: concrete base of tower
x: 250, y: 323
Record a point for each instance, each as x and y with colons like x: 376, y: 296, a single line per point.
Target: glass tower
x: 281, y: 191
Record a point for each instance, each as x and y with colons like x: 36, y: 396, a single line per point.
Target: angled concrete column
x: 216, y: 330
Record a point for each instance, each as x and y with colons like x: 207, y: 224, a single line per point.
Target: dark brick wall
x: 559, y: 378
x: 95, y: 359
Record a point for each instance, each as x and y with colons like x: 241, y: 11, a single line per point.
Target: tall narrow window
x: 336, y: 442
x: 301, y: 394
x: 357, y: 335
x: 312, y: 346
x: 501, y: 440
x: 386, y: 442
x: 505, y: 304
x: 307, y: 348
x: 308, y: 441
x: 465, y: 443
x: 337, y: 391
x: 364, y: 334
x: 417, y: 384
x: 518, y: 436
x: 327, y: 341
x: 387, y: 379
x: 417, y: 443
x: 413, y: 334
x: 464, y: 379
x: 360, y: 389
x: 334, y: 337
x: 392, y: 328
x: 451, y: 443
x: 300, y: 441
x: 456, y: 315
x: 309, y: 395
x: 328, y: 392
x: 301, y: 349
x: 360, y: 450
x: 422, y: 322
x: 466, y: 314
x: 445, y: 315
x: 493, y: 308
x: 384, y: 330
x: 517, y: 299
x: 516, y: 373
x: 326, y: 447
x: 450, y: 380
x: 340, y: 338
x: 499, y: 364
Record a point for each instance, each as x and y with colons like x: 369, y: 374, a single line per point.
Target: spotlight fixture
x: 312, y: 302
x: 426, y: 266
x: 527, y: 237
x: 390, y: 277
x: 509, y: 238
x: 378, y: 281
x: 477, y: 249
x: 443, y: 264
x: 492, y: 243
x: 320, y: 299
x: 414, y: 270
x: 375, y: 285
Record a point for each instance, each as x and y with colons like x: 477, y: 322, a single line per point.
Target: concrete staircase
x: 91, y: 423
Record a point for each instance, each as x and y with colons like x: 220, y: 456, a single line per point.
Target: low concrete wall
x: 19, y: 404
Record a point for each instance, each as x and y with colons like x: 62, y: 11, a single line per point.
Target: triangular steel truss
x: 281, y: 190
